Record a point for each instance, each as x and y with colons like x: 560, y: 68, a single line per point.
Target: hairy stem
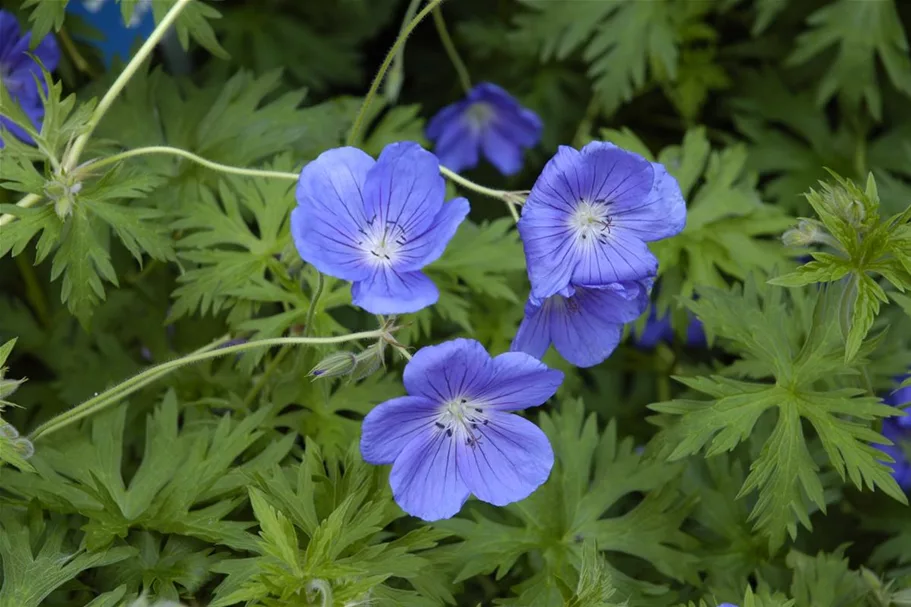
x: 72, y: 158
x: 275, y: 362
x: 470, y: 185
x: 163, y: 149
x: 450, y: 48
x: 375, y: 85
x: 397, y: 71
x: 120, y: 391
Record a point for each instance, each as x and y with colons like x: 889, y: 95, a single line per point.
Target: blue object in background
x: 119, y: 37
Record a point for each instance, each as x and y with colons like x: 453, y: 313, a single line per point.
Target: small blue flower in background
x: 376, y: 223
x: 19, y: 71
x: 898, y: 430
x: 659, y: 330
x: 107, y: 18
x: 454, y: 435
x: 489, y: 120
x: 590, y: 214
x: 584, y: 323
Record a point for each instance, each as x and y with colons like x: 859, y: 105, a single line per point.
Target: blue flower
x: 118, y: 37
x: 376, y: 223
x: 19, y: 71
x: 659, y: 329
x: 584, y: 323
x: 454, y: 435
x: 590, y: 214
x: 489, y: 120
x: 898, y: 430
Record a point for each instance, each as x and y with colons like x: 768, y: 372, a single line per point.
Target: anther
x: 439, y: 425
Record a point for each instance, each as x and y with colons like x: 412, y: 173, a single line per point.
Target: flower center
x: 462, y: 417
x: 479, y: 114
x: 590, y: 221
x: 382, y: 241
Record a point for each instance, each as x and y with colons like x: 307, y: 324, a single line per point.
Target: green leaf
x: 31, y: 574
x: 192, y: 22
x: 621, y: 41
x: 83, y: 260
x: 825, y: 580
x: 45, y: 17
x: 862, y: 32
x: 583, y: 500
x: 784, y: 473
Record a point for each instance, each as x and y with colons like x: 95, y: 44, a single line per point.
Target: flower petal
x: 425, y: 479
x: 510, y: 460
x: 550, y: 251
x: 617, y: 176
x: 330, y: 213
x: 326, y: 246
x: 621, y: 257
x: 447, y: 371
x: 458, y: 146
x: 519, y: 381
x: 429, y: 246
x: 405, y: 187
x: 391, y: 425
x: 533, y: 335
x: 661, y: 214
x: 501, y: 150
x: 581, y: 333
x: 388, y: 291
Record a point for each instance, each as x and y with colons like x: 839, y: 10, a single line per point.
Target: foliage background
x: 238, y: 479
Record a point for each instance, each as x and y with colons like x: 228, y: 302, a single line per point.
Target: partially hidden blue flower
x: 118, y: 37
x: 454, y: 434
x: 376, y: 223
x: 488, y: 120
x: 584, y: 324
x: 589, y: 215
x: 660, y: 330
x: 898, y: 430
x: 20, y: 73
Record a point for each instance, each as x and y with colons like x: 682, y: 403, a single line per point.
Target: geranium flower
x: 454, y: 435
x: 583, y: 323
x: 376, y: 224
x: 590, y: 214
x: 659, y: 329
x: 488, y: 120
x: 19, y: 71
x: 898, y: 430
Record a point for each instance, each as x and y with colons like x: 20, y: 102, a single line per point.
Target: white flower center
x: 591, y: 221
x: 382, y: 242
x: 462, y: 418
x: 479, y: 114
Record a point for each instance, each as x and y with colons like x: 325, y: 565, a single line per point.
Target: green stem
x: 111, y: 396
x: 25, y: 202
x: 397, y: 71
x: 470, y: 185
x: 311, y: 311
x: 72, y: 158
x: 375, y: 85
x: 448, y: 44
x: 275, y: 362
x: 215, y: 166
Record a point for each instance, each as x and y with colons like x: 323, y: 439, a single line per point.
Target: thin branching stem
x: 110, y: 397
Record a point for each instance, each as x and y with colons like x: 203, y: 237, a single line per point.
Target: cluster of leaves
x: 238, y: 481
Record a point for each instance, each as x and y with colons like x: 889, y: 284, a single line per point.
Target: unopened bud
x: 369, y: 361
x: 806, y: 233
x: 8, y: 431
x: 335, y: 365
x: 8, y: 386
x: 24, y: 446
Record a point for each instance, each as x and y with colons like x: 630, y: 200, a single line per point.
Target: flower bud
x: 24, y: 446
x: 8, y: 431
x: 335, y: 365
